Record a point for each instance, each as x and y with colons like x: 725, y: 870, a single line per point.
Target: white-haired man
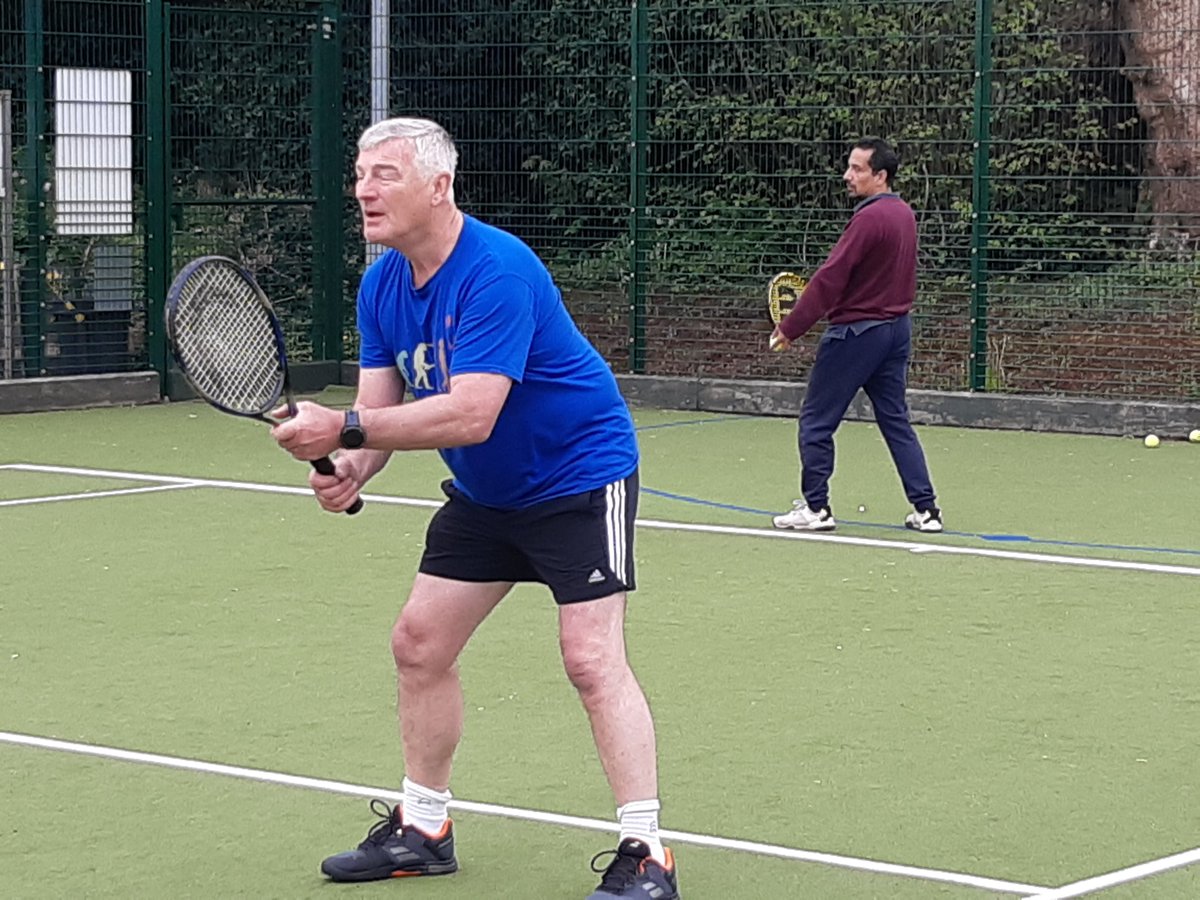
x: 541, y: 447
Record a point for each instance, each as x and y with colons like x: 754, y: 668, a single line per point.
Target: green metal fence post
x: 33, y: 274
x: 327, y: 184
x: 638, y: 155
x: 158, y: 182
x: 981, y: 195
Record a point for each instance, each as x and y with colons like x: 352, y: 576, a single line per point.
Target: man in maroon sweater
x: 866, y: 290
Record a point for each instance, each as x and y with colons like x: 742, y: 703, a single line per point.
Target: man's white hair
x: 434, y: 150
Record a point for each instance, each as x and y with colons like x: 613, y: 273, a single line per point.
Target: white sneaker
x: 929, y: 520
x: 801, y: 518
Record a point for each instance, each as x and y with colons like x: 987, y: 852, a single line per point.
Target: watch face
x: 352, y: 436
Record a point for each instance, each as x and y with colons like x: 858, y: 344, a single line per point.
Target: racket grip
x: 324, y: 465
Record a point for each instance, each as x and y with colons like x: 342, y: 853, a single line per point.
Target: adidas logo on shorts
x: 596, y: 577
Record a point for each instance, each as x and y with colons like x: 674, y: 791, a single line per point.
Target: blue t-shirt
x: 493, y: 308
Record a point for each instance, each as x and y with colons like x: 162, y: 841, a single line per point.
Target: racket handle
x: 324, y: 465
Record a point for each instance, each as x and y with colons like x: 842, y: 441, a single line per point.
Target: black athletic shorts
x: 581, y: 546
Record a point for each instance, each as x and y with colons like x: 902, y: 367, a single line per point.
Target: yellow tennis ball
x: 1151, y: 440
x: 1194, y: 435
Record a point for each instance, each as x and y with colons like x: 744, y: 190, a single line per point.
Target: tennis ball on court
x: 1151, y: 440
x: 1194, y: 435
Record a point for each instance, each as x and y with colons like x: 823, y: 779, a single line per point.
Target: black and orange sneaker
x: 394, y: 850
x: 633, y: 873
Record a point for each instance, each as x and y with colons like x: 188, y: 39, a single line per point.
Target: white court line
x: 529, y: 815
x: 1121, y: 876
x: 911, y: 547
x: 27, y: 501
x: 207, y: 482
x: 1085, y: 561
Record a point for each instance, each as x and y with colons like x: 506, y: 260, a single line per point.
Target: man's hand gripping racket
x: 229, y: 343
x: 782, y: 293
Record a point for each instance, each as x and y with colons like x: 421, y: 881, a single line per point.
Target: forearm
x: 815, y: 302
x: 827, y: 285
x: 455, y: 419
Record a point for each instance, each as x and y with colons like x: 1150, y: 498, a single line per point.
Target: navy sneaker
x: 633, y: 873
x: 394, y: 850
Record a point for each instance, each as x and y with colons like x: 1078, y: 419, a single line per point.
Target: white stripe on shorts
x: 614, y: 517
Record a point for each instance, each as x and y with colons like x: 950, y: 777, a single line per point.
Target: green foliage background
x: 665, y: 161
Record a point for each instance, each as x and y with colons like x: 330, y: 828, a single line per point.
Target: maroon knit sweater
x: 871, y: 273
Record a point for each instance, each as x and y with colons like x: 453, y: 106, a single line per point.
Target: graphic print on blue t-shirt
x: 416, y: 372
x: 493, y: 308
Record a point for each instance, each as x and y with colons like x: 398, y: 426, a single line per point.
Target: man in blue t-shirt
x: 541, y: 447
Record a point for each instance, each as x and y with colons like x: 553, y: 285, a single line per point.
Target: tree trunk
x: 1161, y: 41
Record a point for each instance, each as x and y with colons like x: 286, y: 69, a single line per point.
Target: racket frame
x: 324, y: 465
x: 784, y: 286
x: 175, y: 294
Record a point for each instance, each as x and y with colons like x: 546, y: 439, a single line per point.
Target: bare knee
x: 416, y: 651
x: 593, y: 670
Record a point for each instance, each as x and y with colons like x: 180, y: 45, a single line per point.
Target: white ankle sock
x: 639, y: 819
x: 424, y: 808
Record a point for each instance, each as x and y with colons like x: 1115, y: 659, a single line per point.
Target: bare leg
x: 430, y: 632
x: 592, y: 638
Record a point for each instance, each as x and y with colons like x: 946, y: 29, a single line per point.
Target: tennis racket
x: 229, y: 343
x: 782, y: 293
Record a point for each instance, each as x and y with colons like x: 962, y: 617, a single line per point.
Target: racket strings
x: 226, y: 341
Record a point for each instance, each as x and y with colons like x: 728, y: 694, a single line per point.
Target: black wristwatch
x: 353, y: 436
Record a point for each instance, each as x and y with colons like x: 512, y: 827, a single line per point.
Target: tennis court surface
x: 196, y: 689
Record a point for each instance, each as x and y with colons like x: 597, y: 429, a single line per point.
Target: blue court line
x: 1014, y: 538
x: 690, y: 422
x: 994, y: 538
x: 699, y: 502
